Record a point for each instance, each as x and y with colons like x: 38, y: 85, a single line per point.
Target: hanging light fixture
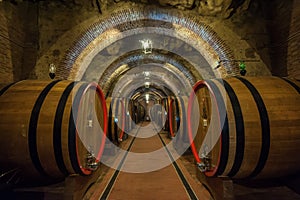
x: 146, y: 46
x: 52, y: 70
x: 147, y: 84
x: 147, y: 98
x: 146, y: 73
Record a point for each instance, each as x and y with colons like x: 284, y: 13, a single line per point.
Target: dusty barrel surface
x: 50, y: 130
x: 246, y: 127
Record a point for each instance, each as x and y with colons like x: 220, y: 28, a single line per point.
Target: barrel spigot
x: 205, y: 164
x: 91, y: 162
x: 201, y: 167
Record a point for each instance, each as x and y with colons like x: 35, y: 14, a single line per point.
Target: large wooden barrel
x: 139, y: 113
x: 247, y: 127
x: 116, y: 119
x: 162, y: 116
x: 128, y: 115
x: 50, y: 130
x: 130, y: 124
x: 173, y: 116
x: 181, y: 140
x: 165, y: 104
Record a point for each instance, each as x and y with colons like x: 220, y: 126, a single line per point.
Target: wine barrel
x: 50, y: 130
x: 122, y: 120
x: 129, y: 116
x: 173, y: 116
x: 181, y: 141
x: 247, y: 127
x: 116, y: 119
x: 4, y: 87
x: 139, y: 112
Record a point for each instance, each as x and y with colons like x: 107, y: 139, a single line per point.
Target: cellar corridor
x: 170, y: 182
x: 149, y: 99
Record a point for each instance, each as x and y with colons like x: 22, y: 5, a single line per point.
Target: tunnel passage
x: 175, y: 48
x: 146, y: 60
x: 142, y: 58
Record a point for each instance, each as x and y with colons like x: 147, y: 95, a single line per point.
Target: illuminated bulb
x: 52, y: 70
x: 146, y: 45
x: 146, y: 73
x: 147, y: 84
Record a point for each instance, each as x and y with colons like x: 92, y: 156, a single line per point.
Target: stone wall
x: 293, y: 56
x: 18, y: 40
x: 56, y: 18
x: 251, y: 26
x: 285, y: 36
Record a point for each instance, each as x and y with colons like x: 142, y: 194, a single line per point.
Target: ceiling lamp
x: 146, y: 73
x: 147, y: 84
x: 147, y: 98
x: 52, y: 70
x: 146, y: 46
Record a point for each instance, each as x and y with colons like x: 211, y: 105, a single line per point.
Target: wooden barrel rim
x: 105, y: 120
x: 123, y: 120
x: 265, y: 126
x: 240, y: 138
x: 182, y: 119
x: 57, y: 133
x: 170, y: 118
x: 81, y: 91
x: 6, y: 88
x: 196, y: 87
x: 114, y: 108
x: 292, y: 84
x: 224, y: 126
x: 112, y: 127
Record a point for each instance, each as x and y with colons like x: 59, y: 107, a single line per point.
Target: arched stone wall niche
x: 176, y: 64
x: 126, y: 21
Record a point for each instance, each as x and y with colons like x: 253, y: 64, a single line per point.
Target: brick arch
x: 126, y: 21
x: 181, y: 67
